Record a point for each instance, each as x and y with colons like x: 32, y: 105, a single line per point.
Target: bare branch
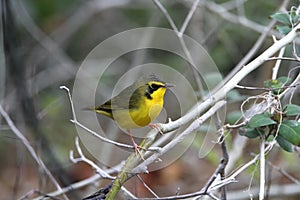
x: 284, y: 173
x: 218, y: 9
x: 188, y: 18
x: 180, y: 34
x: 166, y: 13
x: 277, y: 64
x: 262, y: 168
x: 146, y: 186
x: 82, y: 158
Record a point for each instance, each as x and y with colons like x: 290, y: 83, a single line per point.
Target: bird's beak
x: 169, y: 85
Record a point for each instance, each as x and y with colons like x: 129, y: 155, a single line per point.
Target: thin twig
x: 82, y: 158
x: 284, y: 173
x: 277, y: 64
x: 212, y: 196
x: 43, y: 195
x: 283, y: 58
x: 181, y: 39
x: 98, y: 136
x: 262, y: 180
x: 251, y: 180
x: 265, y: 89
x: 236, y: 152
x: 233, y: 4
x: 85, y: 182
x: 262, y: 162
x: 269, y: 181
x: 146, y: 186
x: 251, y: 162
x: 240, y: 8
x: 294, y: 84
x: 225, y: 14
x: 165, y: 12
x: 236, y: 126
x: 63, y: 87
x: 188, y: 18
x: 73, y: 186
x: 224, y: 160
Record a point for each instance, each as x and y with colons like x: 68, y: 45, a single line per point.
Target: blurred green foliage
x: 226, y: 42
x: 44, y: 11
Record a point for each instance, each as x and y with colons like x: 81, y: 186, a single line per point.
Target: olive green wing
x: 126, y: 99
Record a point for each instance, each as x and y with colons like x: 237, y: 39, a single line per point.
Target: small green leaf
x: 277, y: 83
x: 294, y: 17
x: 292, y: 110
x: 283, y: 29
x: 261, y: 120
x: 270, y: 138
x: 284, y: 144
x: 274, y: 84
x: 249, y: 132
x: 252, y: 133
x: 283, y: 18
x: 284, y: 80
x: 290, y: 131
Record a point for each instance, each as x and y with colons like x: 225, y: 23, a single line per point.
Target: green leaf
x: 294, y: 17
x: 292, y: 110
x: 284, y: 80
x: 261, y: 120
x: 270, y: 138
x: 283, y: 18
x: 283, y: 29
x: 290, y: 131
x: 284, y: 144
x: 277, y: 83
x: 272, y: 84
x: 249, y: 132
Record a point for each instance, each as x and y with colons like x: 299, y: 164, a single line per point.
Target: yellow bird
x: 137, y: 105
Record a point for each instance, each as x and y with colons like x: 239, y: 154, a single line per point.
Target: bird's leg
x: 156, y: 126
x: 136, y: 146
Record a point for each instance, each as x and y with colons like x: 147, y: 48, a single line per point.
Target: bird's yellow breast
x: 144, y: 114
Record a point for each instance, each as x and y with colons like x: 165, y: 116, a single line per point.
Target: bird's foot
x: 156, y: 126
x: 137, y: 150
